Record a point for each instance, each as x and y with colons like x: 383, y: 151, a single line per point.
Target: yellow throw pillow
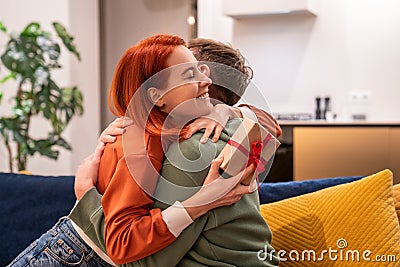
x: 396, y: 198
x: 352, y: 224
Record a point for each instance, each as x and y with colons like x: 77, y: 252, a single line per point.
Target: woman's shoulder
x: 114, y: 149
x: 134, y: 140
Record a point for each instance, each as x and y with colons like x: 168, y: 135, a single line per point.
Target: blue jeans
x: 60, y: 246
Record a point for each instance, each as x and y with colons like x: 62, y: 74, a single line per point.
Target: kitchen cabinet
x: 242, y: 9
x: 345, y: 150
x: 394, y: 150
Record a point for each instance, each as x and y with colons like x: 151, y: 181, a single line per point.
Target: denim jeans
x: 60, y: 246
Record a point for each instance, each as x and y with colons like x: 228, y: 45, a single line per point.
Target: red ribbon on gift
x: 254, y: 155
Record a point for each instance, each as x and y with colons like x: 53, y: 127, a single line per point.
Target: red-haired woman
x: 157, y: 80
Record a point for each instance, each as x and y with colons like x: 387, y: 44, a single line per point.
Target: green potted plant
x: 31, y: 57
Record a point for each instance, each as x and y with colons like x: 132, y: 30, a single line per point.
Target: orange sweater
x: 133, y: 229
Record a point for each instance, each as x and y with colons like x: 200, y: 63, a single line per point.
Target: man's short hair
x: 214, y: 51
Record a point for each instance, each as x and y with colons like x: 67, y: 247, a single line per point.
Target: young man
x: 228, y: 236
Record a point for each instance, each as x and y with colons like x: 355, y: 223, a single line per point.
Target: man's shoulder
x: 231, y: 126
x: 192, y: 149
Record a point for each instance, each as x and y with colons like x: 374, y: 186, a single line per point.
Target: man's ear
x: 155, y: 97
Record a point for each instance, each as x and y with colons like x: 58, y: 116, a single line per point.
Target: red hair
x: 137, y: 65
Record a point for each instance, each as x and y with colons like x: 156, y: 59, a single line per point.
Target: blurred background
x: 344, y: 50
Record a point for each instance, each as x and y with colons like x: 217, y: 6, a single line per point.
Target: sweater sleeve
x: 133, y: 229
x: 88, y: 215
x: 265, y: 119
x: 177, y: 218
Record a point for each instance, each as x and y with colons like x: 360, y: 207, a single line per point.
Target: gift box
x: 250, y: 143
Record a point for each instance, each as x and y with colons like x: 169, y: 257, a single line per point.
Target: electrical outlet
x: 359, y: 96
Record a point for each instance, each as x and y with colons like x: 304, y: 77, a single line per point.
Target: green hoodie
x: 235, y: 235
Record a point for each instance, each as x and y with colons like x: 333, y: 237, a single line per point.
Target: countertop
x: 289, y: 125
x: 324, y: 123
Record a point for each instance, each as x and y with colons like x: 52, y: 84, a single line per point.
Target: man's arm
x: 265, y: 119
x: 89, y: 216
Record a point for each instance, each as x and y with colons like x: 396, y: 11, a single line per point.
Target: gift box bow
x: 254, y: 156
x: 250, y: 143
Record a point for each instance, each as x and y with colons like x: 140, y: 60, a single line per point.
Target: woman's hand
x: 87, y: 172
x: 218, y: 191
x: 213, y: 122
x: 115, y: 128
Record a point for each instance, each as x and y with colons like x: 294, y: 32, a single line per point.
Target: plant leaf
x: 32, y: 30
x: 56, y: 139
x: 71, y: 103
x: 17, y: 59
x: 41, y: 77
x: 43, y: 147
x: 49, y: 46
x: 2, y: 27
x: 66, y: 38
x: 4, y: 129
x: 9, y: 76
x: 17, y: 127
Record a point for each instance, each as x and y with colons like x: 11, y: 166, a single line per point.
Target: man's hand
x: 87, y: 172
x: 213, y: 122
x: 218, y: 191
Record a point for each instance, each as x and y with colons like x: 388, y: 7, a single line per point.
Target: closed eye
x: 188, y: 73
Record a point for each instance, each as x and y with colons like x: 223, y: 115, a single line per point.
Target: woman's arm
x: 133, y: 229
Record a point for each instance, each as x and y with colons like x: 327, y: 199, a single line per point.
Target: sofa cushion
x: 31, y: 205
x: 351, y: 218
x: 272, y: 192
x: 396, y: 198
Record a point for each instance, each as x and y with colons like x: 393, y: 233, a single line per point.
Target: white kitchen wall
x: 81, y: 19
x: 125, y: 22
x: 350, y: 47
x: 211, y: 23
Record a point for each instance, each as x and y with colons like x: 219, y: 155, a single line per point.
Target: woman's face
x: 187, y: 93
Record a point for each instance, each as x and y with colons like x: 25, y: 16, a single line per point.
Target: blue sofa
x: 32, y: 204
